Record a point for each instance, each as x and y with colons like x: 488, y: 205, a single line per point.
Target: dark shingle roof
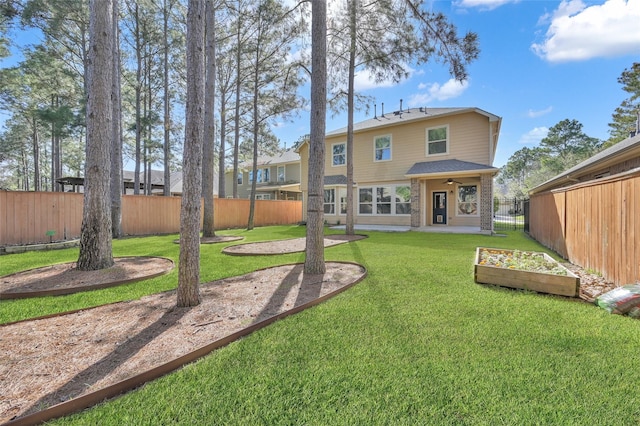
x: 446, y: 166
x: 335, y: 180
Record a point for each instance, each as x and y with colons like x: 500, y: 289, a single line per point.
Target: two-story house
x: 277, y: 178
x: 419, y: 167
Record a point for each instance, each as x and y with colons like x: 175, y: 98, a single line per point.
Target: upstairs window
x: 438, y: 140
x: 281, y: 175
x: 339, y: 154
x: 382, y: 148
x: 239, y: 178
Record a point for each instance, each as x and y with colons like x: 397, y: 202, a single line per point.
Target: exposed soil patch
x: 293, y: 245
x: 48, y: 361
x: 64, y: 278
x: 591, y: 285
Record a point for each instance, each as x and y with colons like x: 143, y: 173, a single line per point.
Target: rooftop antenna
x: 382, y: 109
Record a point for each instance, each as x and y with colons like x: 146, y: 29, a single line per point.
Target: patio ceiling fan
x: 451, y: 182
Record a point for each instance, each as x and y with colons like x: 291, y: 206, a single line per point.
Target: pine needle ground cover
x: 416, y: 342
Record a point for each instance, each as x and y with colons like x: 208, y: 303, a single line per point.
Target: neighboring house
x: 589, y: 213
x: 419, y: 167
x: 76, y: 184
x: 277, y: 178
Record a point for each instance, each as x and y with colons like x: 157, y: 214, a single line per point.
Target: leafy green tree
x: 627, y: 115
x: 567, y: 145
x: 519, y: 174
x: 564, y: 146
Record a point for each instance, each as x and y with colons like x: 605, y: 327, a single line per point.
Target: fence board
x: 25, y: 217
x: 601, y: 225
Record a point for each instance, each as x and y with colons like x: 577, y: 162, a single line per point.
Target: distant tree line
x: 567, y: 145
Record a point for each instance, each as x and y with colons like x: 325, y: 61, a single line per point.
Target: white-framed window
x: 385, y: 200
x: 329, y: 201
x: 382, y: 148
x: 239, y: 178
x: 365, y: 200
x: 438, y: 140
x: 467, y: 200
x: 281, y: 175
x: 263, y: 196
x: 338, y: 154
x: 262, y: 175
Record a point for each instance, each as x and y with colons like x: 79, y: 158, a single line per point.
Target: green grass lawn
x: 416, y: 342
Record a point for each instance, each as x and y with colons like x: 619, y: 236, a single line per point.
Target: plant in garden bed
x: 521, y: 260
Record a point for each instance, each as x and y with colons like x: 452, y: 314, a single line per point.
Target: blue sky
x: 540, y: 62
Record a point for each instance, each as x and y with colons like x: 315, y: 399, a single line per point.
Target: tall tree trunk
x: 149, y: 132
x: 36, y: 155
x: 95, y: 234
x: 116, y: 150
x: 349, y: 226
x: 208, y: 158
x: 222, y: 192
x: 53, y: 149
x: 252, y: 197
x: 167, y: 107
x: 314, y: 261
x: 138, y: 89
x: 189, y: 267
x: 58, y: 155
x: 236, y: 139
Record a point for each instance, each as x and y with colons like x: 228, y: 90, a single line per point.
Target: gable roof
x: 409, y: 115
x: 602, y: 159
x: 286, y: 157
x: 443, y: 167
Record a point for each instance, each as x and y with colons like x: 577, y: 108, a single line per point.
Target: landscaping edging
x: 62, y: 290
x: 43, y: 246
x: 132, y: 382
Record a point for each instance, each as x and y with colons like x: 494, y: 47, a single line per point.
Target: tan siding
x: 468, y: 141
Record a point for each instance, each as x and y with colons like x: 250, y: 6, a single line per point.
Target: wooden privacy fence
x: 31, y: 217
x: 595, y: 225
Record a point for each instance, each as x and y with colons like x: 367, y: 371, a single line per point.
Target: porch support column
x: 415, y: 203
x: 486, y: 202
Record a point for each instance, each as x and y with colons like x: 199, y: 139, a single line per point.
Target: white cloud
x: 484, y: 4
x: 534, y: 114
x: 534, y: 136
x: 579, y: 32
x: 437, y: 92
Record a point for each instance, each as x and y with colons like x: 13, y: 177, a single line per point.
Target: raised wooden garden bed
x: 553, y: 278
